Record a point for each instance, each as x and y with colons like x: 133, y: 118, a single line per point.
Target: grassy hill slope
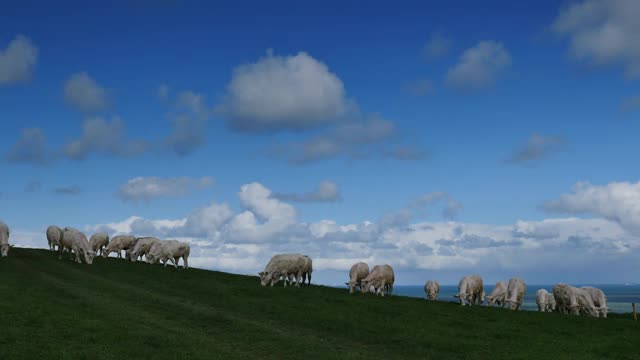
x: 115, y: 309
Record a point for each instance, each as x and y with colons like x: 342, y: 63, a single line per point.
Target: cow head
x: 88, y: 256
x: 432, y: 295
x: 129, y: 254
x: 462, y: 297
x: 4, y: 250
x: 512, y: 304
x: 150, y: 259
x: 106, y: 252
x: 603, y: 310
x: 365, y: 286
x: 490, y: 300
x: 265, y: 278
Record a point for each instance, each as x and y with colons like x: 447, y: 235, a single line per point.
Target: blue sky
x: 341, y: 112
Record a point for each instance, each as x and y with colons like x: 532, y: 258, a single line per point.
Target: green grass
x: 115, y: 309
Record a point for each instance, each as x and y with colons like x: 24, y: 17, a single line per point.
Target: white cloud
x: 326, y: 191
x: 617, y: 201
x: 564, y: 249
x: 31, y: 147
x: 17, y: 61
x: 83, y: 93
x: 293, y: 92
x: 105, y: 137
x: 537, y: 147
x: 603, y: 32
x: 479, y: 66
x: 150, y: 188
x: 189, y: 118
x: 358, y: 139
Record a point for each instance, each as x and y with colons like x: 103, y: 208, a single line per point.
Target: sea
x: 619, y: 297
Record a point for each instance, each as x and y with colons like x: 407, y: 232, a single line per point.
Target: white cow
x: 599, y: 300
x: 166, y: 250
x: 98, y: 242
x: 573, y: 300
x: 515, y: 293
x: 498, y: 294
x: 381, y: 278
x: 142, y: 248
x: 4, y: 239
x: 545, y: 301
x: 54, y: 234
x: 358, y: 272
x: 432, y: 289
x: 470, y: 290
x: 119, y: 243
x: 282, y: 265
x: 306, y: 272
x: 78, y: 243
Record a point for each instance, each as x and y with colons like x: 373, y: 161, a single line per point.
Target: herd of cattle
x: 565, y: 299
x: 153, y: 249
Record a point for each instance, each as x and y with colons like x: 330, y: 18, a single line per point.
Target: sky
x: 442, y: 138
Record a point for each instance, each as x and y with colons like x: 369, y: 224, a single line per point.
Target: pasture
x: 115, y: 309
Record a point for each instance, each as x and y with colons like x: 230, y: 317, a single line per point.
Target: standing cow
x: 358, y: 272
x: 166, y: 250
x: 498, y: 294
x: 77, y: 242
x: 470, y: 290
x: 282, y: 265
x: 599, y: 300
x: 545, y: 301
x: 98, y: 242
x: 4, y: 239
x: 54, y: 235
x: 119, y: 243
x: 515, y: 293
x: 432, y: 289
x: 142, y: 248
x: 573, y: 300
x: 381, y: 278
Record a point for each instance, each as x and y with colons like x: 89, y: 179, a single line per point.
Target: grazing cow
x: 166, y: 250
x: 599, y: 300
x: 4, y: 239
x: 381, y: 278
x: 358, y: 272
x: 282, y: 265
x: 545, y: 301
x: 78, y: 243
x: 306, y: 272
x: 142, y: 248
x: 119, y: 243
x: 470, y: 290
x: 54, y: 235
x: 432, y: 289
x: 498, y: 294
x: 98, y: 242
x: 572, y: 300
x: 515, y: 293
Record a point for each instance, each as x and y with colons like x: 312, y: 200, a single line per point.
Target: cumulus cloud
x: 103, y: 137
x: 479, y: 67
x: 85, y: 94
x: 437, y: 46
x: 617, y: 201
x: 602, y: 32
x: 150, y: 188
x: 450, y: 206
x: 326, y: 191
x: 294, y: 92
x: 68, y: 190
x: 353, y: 140
x: 557, y: 249
x: 537, y: 147
x: 17, y: 61
x: 189, y: 118
x: 31, y: 148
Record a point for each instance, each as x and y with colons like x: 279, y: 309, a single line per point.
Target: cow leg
x: 298, y: 277
x: 186, y: 262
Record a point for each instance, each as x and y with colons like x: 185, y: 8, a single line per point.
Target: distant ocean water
x: 619, y: 297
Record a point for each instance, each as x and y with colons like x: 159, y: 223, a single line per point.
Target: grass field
x: 115, y: 309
